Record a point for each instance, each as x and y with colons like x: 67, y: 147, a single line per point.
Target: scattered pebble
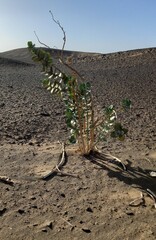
x: 87, y: 230
x: 46, y: 224
x: 21, y: 211
x: 2, y: 211
x: 63, y: 195
x: 89, y: 210
x: 130, y: 213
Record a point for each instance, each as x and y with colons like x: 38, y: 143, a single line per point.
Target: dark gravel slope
x: 28, y: 112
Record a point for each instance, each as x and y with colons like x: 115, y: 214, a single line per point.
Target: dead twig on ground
x: 148, y: 160
x: 71, y: 225
x: 138, y: 201
x: 6, y: 180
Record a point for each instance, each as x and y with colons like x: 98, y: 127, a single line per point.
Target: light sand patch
x: 136, y: 55
x: 153, y: 155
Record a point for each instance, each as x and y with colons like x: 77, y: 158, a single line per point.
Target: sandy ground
x: 95, y: 202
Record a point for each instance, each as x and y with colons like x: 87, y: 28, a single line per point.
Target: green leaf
x: 45, y: 82
x: 102, y: 138
x: 126, y: 104
x: 119, y: 132
x: 117, y: 127
x: 72, y: 139
x: 88, y: 85
x: 65, y: 78
x: 109, y: 110
x: 30, y: 44
x: 82, y: 87
x: 121, y: 138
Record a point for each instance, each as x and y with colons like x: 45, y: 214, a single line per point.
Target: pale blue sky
x: 91, y: 25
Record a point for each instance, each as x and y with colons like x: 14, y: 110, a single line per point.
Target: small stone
x: 65, y: 213
x: 50, y: 225
x: 35, y: 224
x: 114, y: 209
x: 45, y: 114
x: 87, y: 230
x: 21, y: 211
x: 46, y: 224
x: 33, y: 198
x: 34, y: 206
x: 63, y: 195
x: 2, y: 104
x: 96, y: 223
x: 2, y: 211
x: 130, y: 213
x: 89, y: 210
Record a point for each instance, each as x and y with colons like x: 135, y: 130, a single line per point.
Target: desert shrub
x: 85, y: 128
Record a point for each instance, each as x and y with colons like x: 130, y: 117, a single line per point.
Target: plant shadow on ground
x: 135, y: 176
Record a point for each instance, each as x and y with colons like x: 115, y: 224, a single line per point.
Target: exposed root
x: 118, y: 160
x: 109, y: 157
x: 63, y: 158
x: 57, y: 169
x: 152, y: 195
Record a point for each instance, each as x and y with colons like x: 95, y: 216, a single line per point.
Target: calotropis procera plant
x: 85, y: 128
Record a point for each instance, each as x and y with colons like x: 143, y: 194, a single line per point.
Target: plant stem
x: 79, y: 111
x: 92, y: 126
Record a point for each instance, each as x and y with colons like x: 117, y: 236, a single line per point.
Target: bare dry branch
x: 62, y: 29
x: 6, y: 180
x: 63, y: 46
x: 45, y: 45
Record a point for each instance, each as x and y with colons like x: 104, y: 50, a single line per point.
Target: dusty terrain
x: 95, y: 204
